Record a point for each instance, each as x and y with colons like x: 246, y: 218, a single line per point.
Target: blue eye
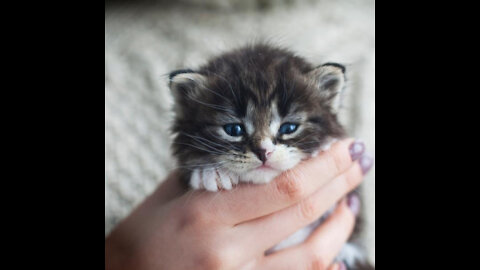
x: 234, y: 129
x: 287, y: 128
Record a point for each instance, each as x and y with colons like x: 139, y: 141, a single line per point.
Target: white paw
x: 213, y: 179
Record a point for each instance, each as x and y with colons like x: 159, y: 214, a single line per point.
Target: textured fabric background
x: 146, y: 40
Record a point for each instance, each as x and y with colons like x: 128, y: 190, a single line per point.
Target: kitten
x: 252, y: 113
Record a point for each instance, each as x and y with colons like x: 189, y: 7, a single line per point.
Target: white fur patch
x: 213, y: 179
x: 247, y: 121
x: 186, y: 77
x: 268, y: 145
x: 350, y: 254
x: 195, y: 181
x: 282, y: 159
x: 324, y: 147
x: 209, y: 180
x: 225, y: 180
x: 275, y: 121
x: 328, y: 144
x: 249, y: 126
x: 259, y: 176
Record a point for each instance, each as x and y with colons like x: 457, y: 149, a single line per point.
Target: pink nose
x: 265, y: 150
x: 263, y: 154
x: 268, y: 153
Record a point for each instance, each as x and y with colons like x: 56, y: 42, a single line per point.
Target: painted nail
x: 356, y: 150
x: 342, y: 266
x: 353, y: 202
x: 366, y: 163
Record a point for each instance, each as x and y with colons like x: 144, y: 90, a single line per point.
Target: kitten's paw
x: 213, y: 179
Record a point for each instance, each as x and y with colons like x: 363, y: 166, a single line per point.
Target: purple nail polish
x: 366, y: 163
x: 342, y: 266
x: 353, y: 202
x: 356, y: 150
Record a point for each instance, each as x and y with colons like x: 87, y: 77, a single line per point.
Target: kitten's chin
x: 259, y: 175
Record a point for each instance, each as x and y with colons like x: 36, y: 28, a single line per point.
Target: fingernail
x: 353, y: 202
x: 356, y: 149
x: 342, y: 266
x: 366, y: 163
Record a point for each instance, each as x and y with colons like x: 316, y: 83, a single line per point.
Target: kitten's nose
x: 265, y: 150
x: 263, y: 154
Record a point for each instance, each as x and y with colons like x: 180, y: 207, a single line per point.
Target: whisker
x: 227, y: 142
x: 201, y: 165
x: 207, y: 140
x: 200, y: 148
x: 307, y: 143
x: 303, y: 139
x: 209, y: 146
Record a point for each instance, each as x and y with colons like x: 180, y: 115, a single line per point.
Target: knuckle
x: 193, y: 217
x: 317, y: 262
x: 338, y: 162
x: 290, y: 188
x: 219, y: 259
x: 308, y: 209
x: 352, y: 178
x: 209, y: 261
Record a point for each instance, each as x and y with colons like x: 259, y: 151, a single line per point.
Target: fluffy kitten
x: 252, y: 113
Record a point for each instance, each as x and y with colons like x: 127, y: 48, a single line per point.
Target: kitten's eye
x: 288, y: 128
x: 234, y: 129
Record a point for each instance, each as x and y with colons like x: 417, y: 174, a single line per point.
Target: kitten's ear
x: 186, y: 83
x: 330, y: 79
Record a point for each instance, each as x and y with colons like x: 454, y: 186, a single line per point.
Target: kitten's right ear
x: 329, y: 78
x: 186, y: 83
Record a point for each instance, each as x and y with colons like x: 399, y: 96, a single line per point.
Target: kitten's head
x: 256, y: 111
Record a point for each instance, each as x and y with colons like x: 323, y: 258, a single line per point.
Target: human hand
x: 173, y: 229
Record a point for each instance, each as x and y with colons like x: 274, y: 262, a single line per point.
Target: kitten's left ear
x: 330, y: 79
x: 185, y: 84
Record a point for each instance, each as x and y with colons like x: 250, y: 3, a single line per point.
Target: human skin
x: 178, y: 229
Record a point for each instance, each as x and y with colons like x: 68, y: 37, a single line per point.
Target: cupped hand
x: 174, y: 229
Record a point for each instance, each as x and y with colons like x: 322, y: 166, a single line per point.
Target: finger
x: 278, y: 226
x: 247, y: 202
x: 338, y: 266
x: 321, y: 247
x: 334, y: 266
